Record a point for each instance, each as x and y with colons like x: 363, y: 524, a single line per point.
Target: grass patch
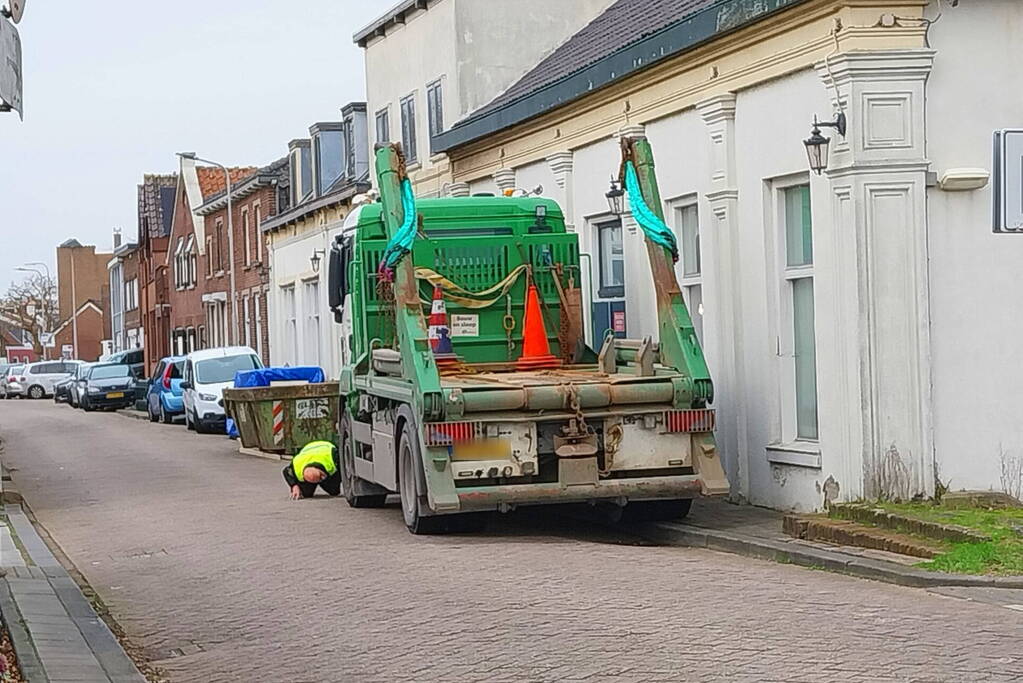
x: 1002, y: 555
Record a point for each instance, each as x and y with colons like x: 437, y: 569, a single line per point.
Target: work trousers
x: 331, y: 486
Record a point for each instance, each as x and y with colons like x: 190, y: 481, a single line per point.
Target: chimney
x: 117, y: 237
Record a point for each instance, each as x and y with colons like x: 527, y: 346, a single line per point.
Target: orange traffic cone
x: 536, y: 352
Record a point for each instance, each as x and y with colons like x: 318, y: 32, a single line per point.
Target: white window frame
x: 248, y: 236
x: 409, y: 130
x: 692, y: 283
x: 259, y: 324
x: 435, y: 109
x: 290, y: 307
x: 257, y: 217
x: 312, y: 331
x: 788, y: 447
x: 385, y: 115
x: 248, y: 320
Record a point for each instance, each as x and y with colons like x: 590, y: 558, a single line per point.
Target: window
x: 131, y: 294
x: 220, y: 246
x: 383, y: 126
x: 612, y: 259
x: 408, y: 128
x: 258, y: 213
x: 218, y: 370
x: 290, y: 322
x: 190, y: 262
x: 798, y: 302
x: 248, y: 236
x: 687, y: 225
x: 178, y: 275
x: 349, y: 134
x: 259, y: 324
x: 247, y: 321
x: 209, y: 257
x: 311, y: 309
x: 435, y: 108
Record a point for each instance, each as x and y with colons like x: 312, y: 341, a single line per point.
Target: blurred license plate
x: 484, y: 449
x: 115, y: 394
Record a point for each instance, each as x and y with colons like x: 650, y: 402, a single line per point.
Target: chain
x: 509, y: 327
x: 385, y: 295
x: 612, y: 440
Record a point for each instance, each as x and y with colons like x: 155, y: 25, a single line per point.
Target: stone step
x: 848, y: 533
x: 867, y: 514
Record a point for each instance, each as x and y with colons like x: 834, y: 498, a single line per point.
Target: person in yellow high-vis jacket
x: 315, y: 465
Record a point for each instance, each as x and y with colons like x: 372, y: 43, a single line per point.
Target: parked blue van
x: 163, y: 399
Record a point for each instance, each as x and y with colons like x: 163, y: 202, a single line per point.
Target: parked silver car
x: 40, y: 377
x: 10, y: 387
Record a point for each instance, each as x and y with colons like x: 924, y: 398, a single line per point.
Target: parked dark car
x: 108, y: 387
x: 77, y: 386
x: 62, y: 389
x: 135, y: 358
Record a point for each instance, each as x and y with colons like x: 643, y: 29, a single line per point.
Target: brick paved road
x: 195, y: 550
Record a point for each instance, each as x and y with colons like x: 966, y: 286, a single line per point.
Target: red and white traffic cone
x: 440, y: 334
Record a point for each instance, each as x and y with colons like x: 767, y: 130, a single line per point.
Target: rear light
x: 166, y: 377
x: 449, y: 433
x: 690, y: 421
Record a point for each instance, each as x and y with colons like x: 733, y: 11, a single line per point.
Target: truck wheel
x: 349, y: 482
x: 657, y: 510
x: 409, y: 458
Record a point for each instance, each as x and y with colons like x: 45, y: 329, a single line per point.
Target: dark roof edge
x: 302, y: 210
x: 700, y: 27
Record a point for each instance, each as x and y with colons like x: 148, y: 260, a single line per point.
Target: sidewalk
x: 57, y: 636
x: 757, y: 532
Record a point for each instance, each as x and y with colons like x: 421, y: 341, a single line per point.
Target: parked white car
x: 10, y: 387
x: 39, y: 378
x: 207, y: 374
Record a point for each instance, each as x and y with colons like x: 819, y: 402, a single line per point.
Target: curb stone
x: 684, y: 535
x: 24, y: 648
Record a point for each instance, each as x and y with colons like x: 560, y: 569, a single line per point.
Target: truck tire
x: 352, y: 484
x: 657, y: 510
x: 409, y: 463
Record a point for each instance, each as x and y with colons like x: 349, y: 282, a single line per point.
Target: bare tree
x: 32, y: 305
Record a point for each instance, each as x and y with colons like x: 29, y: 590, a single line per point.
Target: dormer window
x: 328, y: 146
x: 300, y: 163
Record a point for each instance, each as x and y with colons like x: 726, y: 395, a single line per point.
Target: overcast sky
x: 113, y: 89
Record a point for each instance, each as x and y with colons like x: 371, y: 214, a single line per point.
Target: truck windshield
x: 217, y: 370
x: 109, y: 371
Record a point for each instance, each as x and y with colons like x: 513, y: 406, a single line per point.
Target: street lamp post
x: 230, y: 238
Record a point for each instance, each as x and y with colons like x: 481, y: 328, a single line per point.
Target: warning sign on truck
x: 465, y: 325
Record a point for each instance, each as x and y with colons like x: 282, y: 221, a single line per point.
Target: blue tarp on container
x: 264, y: 376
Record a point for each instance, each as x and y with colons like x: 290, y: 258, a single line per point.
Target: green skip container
x: 283, y: 418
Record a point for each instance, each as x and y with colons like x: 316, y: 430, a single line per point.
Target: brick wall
x: 187, y: 316
x: 91, y: 332
x: 92, y: 281
x: 250, y: 260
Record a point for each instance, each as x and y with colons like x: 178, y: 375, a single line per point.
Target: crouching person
x: 315, y: 465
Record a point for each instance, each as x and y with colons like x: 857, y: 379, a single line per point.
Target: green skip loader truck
x: 499, y: 403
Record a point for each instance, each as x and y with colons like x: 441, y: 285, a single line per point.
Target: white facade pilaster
x: 723, y: 290
x: 879, y: 302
